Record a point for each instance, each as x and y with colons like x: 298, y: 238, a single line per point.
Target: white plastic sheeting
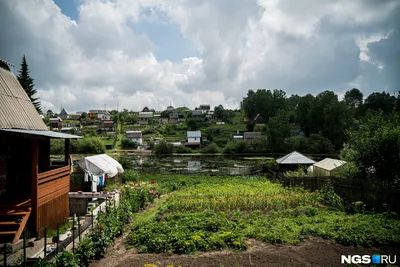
x: 99, y: 164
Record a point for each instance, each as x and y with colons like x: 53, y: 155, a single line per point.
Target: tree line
x: 324, y: 114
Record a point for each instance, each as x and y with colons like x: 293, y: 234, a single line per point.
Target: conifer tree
x: 26, y: 82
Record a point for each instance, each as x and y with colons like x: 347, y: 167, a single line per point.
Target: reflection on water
x: 208, y: 164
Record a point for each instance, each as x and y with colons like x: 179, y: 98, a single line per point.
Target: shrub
x: 87, y: 146
x: 163, y: 148
x: 126, y: 162
x: 128, y: 143
x: 183, y: 150
x: 130, y: 176
x: 66, y: 259
x: 85, y: 252
x: 271, y: 165
x: 210, y: 149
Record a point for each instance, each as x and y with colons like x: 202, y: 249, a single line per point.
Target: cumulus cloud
x: 299, y: 46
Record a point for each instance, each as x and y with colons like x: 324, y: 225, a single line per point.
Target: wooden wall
x: 56, y: 210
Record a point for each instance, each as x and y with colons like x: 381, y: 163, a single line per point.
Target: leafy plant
x: 66, y: 259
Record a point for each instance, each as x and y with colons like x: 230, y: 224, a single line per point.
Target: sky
x: 91, y: 54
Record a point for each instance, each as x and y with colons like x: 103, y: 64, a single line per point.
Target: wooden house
x: 34, y: 189
x: 64, y: 114
x: 193, y: 139
x: 145, y: 117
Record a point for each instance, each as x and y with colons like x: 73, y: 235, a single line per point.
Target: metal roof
x: 295, y: 158
x: 250, y: 135
x: 329, y: 164
x: 193, y: 134
x: 46, y: 133
x: 145, y: 114
x: 16, y: 109
x: 133, y: 134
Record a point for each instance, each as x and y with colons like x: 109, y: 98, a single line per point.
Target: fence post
x: 45, y: 242
x: 58, y: 236
x: 92, y: 218
x: 79, y: 229
x: 24, y: 247
x: 73, y: 234
x: 5, y: 255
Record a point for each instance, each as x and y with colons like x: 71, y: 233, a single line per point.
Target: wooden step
x: 8, y: 232
x: 21, y: 213
x: 9, y: 223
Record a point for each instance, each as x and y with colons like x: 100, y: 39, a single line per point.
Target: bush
x: 210, y: 149
x: 85, y: 252
x: 163, y: 148
x: 183, y: 150
x: 66, y: 259
x: 130, y: 176
x: 271, y: 165
x: 128, y: 144
x: 79, y: 146
x: 126, y: 162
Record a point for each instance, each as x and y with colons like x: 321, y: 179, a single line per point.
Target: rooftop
x: 329, y: 164
x: 295, y: 158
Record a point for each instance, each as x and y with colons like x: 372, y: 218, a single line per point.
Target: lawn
x: 201, y: 213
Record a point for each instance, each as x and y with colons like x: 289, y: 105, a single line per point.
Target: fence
x: 374, y: 198
x: 60, y: 243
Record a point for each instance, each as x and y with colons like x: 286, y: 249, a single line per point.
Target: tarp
x: 99, y: 164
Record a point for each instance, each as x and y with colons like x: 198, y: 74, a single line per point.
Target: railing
x: 52, y: 184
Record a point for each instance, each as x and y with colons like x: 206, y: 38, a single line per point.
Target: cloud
x: 106, y: 57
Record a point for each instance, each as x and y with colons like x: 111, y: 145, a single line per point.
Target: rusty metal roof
x: 16, y: 109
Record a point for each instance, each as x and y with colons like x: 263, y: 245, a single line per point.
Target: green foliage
x: 66, y: 259
x: 182, y: 150
x: 264, y: 102
x: 214, y: 213
x: 210, y: 149
x: 27, y: 82
x: 374, y: 148
x: 79, y: 146
x: 330, y: 198
x: 126, y: 162
x: 130, y: 176
x: 250, y: 126
x: 43, y: 263
x: 163, y: 148
x: 128, y: 144
x: 272, y: 165
x: 85, y: 252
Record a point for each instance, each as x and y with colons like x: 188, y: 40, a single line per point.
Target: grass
x: 202, y: 213
x: 63, y: 228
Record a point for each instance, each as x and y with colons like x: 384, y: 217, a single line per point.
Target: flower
x: 149, y: 265
x: 153, y: 181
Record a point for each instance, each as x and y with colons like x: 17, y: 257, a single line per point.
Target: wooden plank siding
x: 55, y: 210
x: 52, y: 184
x: 53, y: 202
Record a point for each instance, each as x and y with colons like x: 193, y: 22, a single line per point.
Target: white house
x: 145, y: 117
x: 135, y: 136
x: 193, y: 138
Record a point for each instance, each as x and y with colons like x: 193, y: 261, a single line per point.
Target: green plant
x: 130, y: 176
x: 210, y: 149
x: 163, y: 148
x: 66, y: 259
x: 85, y: 252
x: 182, y: 150
x: 43, y: 263
x: 128, y: 144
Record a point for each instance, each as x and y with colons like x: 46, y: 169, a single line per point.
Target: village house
x: 170, y: 108
x: 174, y: 116
x: 35, y: 189
x: 193, y: 139
x: 63, y: 114
x: 197, y: 114
x: 204, y: 108
x: 98, y: 114
x: 135, y: 136
x: 75, y: 116
x: 248, y: 136
x: 145, y: 117
x: 108, y: 125
x: 49, y: 113
x: 55, y: 123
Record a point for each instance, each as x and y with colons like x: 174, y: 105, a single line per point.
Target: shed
x: 135, y: 136
x: 35, y: 189
x: 295, y: 158
x: 250, y: 135
x: 326, y: 166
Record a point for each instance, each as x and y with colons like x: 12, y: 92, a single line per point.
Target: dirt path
x: 313, y: 252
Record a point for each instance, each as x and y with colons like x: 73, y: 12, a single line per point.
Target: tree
x: 250, y: 126
x: 277, y: 131
x: 375, y: 149
x: 379, y: 101
x: 353, y: 98
x: 27, y: 83
x: 145, y: 109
